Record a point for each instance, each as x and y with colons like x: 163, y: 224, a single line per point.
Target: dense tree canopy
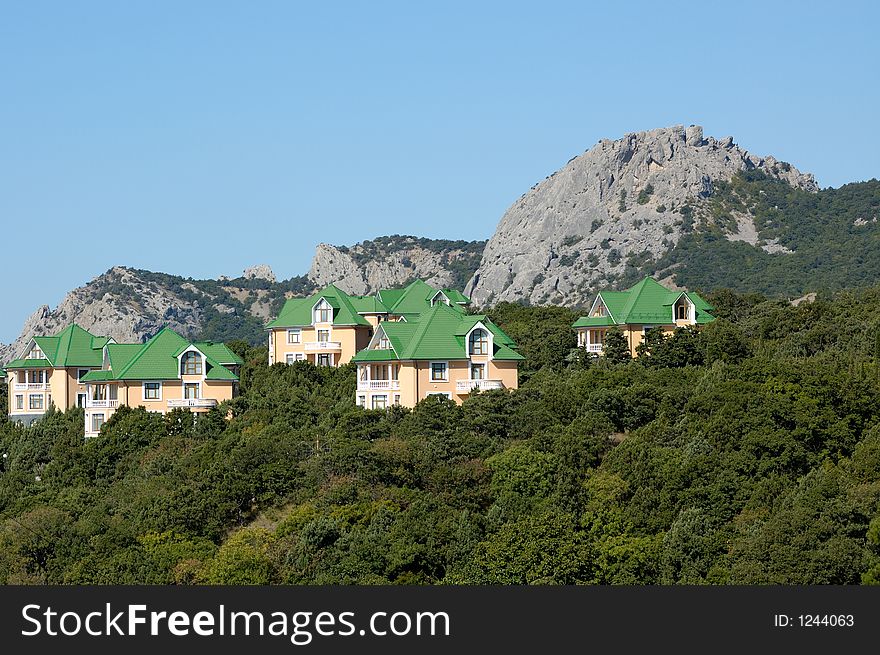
x: 747, y: 452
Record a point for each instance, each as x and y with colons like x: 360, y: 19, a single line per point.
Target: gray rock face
x: 393, y: 261
x: 260, y: 271
x: 561, y: 240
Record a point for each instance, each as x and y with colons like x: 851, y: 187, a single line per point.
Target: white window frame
x: 445, y: 377
x: 92, y: 421
x: 198, y: 390
x: 294, y: 332
x: 42, y: 398
x: 289, y: 358
x: 376, y: 397
x: 299, y: 357
x: 439, y: 393
x: 144, y: 391
x: 85, y: 399
x: 362, y: 400
x: 19, y: 401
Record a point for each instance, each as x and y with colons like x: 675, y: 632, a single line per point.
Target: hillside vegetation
x: 834, y: 236
x: 747, y: 453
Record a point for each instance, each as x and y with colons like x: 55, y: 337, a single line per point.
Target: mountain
x: 621, y: 206
x: 395, y: 261
x: 132, y: 305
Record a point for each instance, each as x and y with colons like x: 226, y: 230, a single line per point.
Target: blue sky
x: 198, y: 138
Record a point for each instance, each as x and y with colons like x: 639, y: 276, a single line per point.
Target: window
x: 681, y: 312
x: 19, y: 401
x: 324, y: 360
x: 479, y: 342
x: 288, y: 358
x: 600, y: 310
x: 191, y: 363
x: 36, y: 353
x: 323, y: 312
x: 35, y: 401
x: 397, y: 399
x: 441, y: 394
x: 438, y: 371
x: 152, y: 391
x: 298, y: 357
x: 362, y: 401
x: 294, y: 336
x: 383, y: 344
x: 380, y: 402
x: 97, y: 422
x: 80, y: 374
x: 190, y: 391
x: 323, y: 335
x: 478, y: 371
x: 37, y: 376
x: 81, y: 400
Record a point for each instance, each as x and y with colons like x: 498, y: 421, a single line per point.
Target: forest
x: 745, y: 453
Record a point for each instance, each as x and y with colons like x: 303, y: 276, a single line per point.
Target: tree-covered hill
x: 821, y: 241
x: 746, y: 453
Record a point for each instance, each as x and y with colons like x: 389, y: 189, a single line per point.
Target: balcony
x: 466, y: 386
x: 593, y: 347
x: 192, y: 403
x: 378, y: 385
x: 101, y: 404
x: 316, y: 346
x: 32, y: 386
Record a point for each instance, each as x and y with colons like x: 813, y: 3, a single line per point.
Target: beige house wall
x: 350, y: 337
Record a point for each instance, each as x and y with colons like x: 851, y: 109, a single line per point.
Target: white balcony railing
x: 192, y: 402
x: 466, y: 386
x: 91, y: 403
x: 593, y: 347
x: 32, y: 386
x: 371, y: 385
x: 323, y: 345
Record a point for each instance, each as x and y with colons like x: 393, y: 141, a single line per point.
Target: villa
x: 643, y: 306
x: 440, y: 352
x: 75, y: 368
x: 330, y: 326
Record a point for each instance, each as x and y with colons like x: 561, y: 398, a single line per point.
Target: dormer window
x: 191, y: 363
x: 383, y: 344
x: 681, y: 312
x: 600, y: 309
x: 36, y: 353
x: 479, y: 342
x: 323, y: 312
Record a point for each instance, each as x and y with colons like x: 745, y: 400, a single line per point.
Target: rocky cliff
x: 621, y: 204
x: 394, y: 261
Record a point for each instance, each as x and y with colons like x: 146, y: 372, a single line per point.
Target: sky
x: 200, y: 138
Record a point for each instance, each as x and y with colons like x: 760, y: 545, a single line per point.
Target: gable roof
x: 646, y: 302
x: 73, y: 346
x: 438, y: 334
x: 157, y: 359
x: 297, y: 312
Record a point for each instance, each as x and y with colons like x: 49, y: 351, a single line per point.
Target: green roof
x: 28, y: 363
x: 157, y: 359
x: 456, y: 296
x: 440, y: 333
x: 73, y: 346
x: 647, y: 302
x: 297, y: 312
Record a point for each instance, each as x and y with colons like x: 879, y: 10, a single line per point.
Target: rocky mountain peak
x: 575, y: 230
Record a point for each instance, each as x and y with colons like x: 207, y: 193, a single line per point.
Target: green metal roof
x: 456, y: 296
x: 73, y: 346
x: 157, y: 359
x: 647, y: 302
x: 28, y: 363
x: 297, y: 312
x: 438, y: 334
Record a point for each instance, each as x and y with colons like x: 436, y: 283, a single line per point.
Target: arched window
x: 191, y: 363
x: 479, y: 342
x: 681, y: 311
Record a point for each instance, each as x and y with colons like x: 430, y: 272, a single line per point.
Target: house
x: 643, y: 306
x: 328, y: 327
x: 165, y: 373
x: 441, y: 351
x: 51, y: 371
